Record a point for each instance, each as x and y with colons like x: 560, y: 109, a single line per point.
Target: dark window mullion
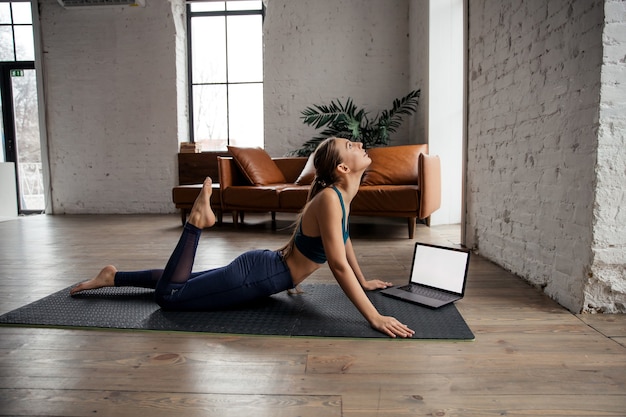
x: 13, y: 32
x: 190, y: 77
x: 227, y: 82
x: 228, y: 13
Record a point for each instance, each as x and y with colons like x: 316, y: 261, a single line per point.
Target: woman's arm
x: 367, y: 285
x: 329, y: 216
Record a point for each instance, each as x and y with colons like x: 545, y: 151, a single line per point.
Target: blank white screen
x: 440, y: 268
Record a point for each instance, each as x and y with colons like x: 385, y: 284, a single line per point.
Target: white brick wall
x: 606, y: 287
x: 115, y: 114
x: 316, y: 51
x: 418, y: 44
x: 110, y: 76
x: 534, y: 101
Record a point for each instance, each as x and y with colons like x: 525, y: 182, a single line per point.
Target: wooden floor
x: 530, y: 357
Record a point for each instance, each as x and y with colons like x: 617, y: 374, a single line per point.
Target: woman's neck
x: 348, y: 187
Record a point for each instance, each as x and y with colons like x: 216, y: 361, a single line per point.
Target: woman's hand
x: 391, y: 327
x: 376, y: 284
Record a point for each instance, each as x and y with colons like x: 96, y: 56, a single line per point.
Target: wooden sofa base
x: 239, y: 216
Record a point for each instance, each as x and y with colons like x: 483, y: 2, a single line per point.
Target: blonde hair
x: 325, y: 160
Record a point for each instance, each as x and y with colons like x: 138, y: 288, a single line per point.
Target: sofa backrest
x: 394, y: 165
x: 291, y: 166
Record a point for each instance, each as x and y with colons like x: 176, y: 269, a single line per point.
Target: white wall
x: 8, y: 190
x: 605, y: 289
x: 534, y: 101
x: 419, y: 68
x: 112, y: 117
x: 317, y: 51
x: 445, y: 106
x: 116, y: 110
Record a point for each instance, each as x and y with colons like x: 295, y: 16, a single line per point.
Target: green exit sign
x: 17, y: 73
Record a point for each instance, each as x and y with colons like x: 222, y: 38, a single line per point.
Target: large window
x: 226, y: 73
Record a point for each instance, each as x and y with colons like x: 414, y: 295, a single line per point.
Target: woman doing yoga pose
x: 321, y: 235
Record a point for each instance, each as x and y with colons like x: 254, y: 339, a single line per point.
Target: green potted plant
x: 348, y: 121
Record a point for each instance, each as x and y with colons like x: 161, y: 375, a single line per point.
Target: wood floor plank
x: 132, y: 404
x: 486, y: 406
x: 610, y: 325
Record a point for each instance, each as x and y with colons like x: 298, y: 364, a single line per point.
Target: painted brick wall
x: 316, y: 51
x: 115, y: 114
x: 110, y: 76
x: 534, y: 94
x: 605, y: 290
x: 418, y: 44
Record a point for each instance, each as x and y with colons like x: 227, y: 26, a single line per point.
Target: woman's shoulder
x: 325, y: 204
x: 328, y: 196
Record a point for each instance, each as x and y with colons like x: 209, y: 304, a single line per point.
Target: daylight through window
x: 226, y: 73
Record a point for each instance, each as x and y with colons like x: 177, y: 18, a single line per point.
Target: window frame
x: 12, y: 25
x: 190, y: 83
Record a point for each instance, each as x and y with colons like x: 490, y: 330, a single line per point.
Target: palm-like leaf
x: 346, y: 120
x: 336, y: 114
x: 407, y: 105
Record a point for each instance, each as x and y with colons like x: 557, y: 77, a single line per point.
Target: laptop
x: 438, y: 276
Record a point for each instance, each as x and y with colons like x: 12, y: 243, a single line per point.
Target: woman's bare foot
x: 106, y: 278
x: 201, y: 214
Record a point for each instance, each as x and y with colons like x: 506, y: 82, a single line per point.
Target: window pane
x: 6, y: 44
x: 208, y: 49
x: 22, y: 13
x: 28, y: 144
x: 246, y: 114
x: 24, y: 43
x: 244, y: 5
x: 5, y: 13
x: 211, y: 6
x: 210, y: 118
x: 245, y: 49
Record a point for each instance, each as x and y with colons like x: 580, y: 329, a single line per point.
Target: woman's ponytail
x: 326, y: 159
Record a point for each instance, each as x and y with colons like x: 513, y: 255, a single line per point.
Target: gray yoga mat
x: 323, y: 310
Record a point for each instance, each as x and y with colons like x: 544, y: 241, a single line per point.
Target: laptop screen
x: 443, y: 268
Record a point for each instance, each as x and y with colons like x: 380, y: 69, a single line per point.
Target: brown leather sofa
x: 402, y: 181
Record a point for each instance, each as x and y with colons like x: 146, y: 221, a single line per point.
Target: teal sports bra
x: 312, y: 246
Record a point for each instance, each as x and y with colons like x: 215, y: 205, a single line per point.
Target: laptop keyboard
x: 428, y: 292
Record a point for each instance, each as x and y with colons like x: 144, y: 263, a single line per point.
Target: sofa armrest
x: 429, y: 181
x: 229, y: 173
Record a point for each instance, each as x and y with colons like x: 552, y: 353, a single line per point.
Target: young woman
x: 321, y: 235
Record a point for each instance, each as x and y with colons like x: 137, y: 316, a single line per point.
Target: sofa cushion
x: 257, y: 165
x: 393, y: 165
x: 308, y: 172
x: 293, y: 198
x: 185, y: 195
x: 388, y: 199
x: 252, y: 196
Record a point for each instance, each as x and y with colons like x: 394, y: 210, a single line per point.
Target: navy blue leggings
x: 252, y: 275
